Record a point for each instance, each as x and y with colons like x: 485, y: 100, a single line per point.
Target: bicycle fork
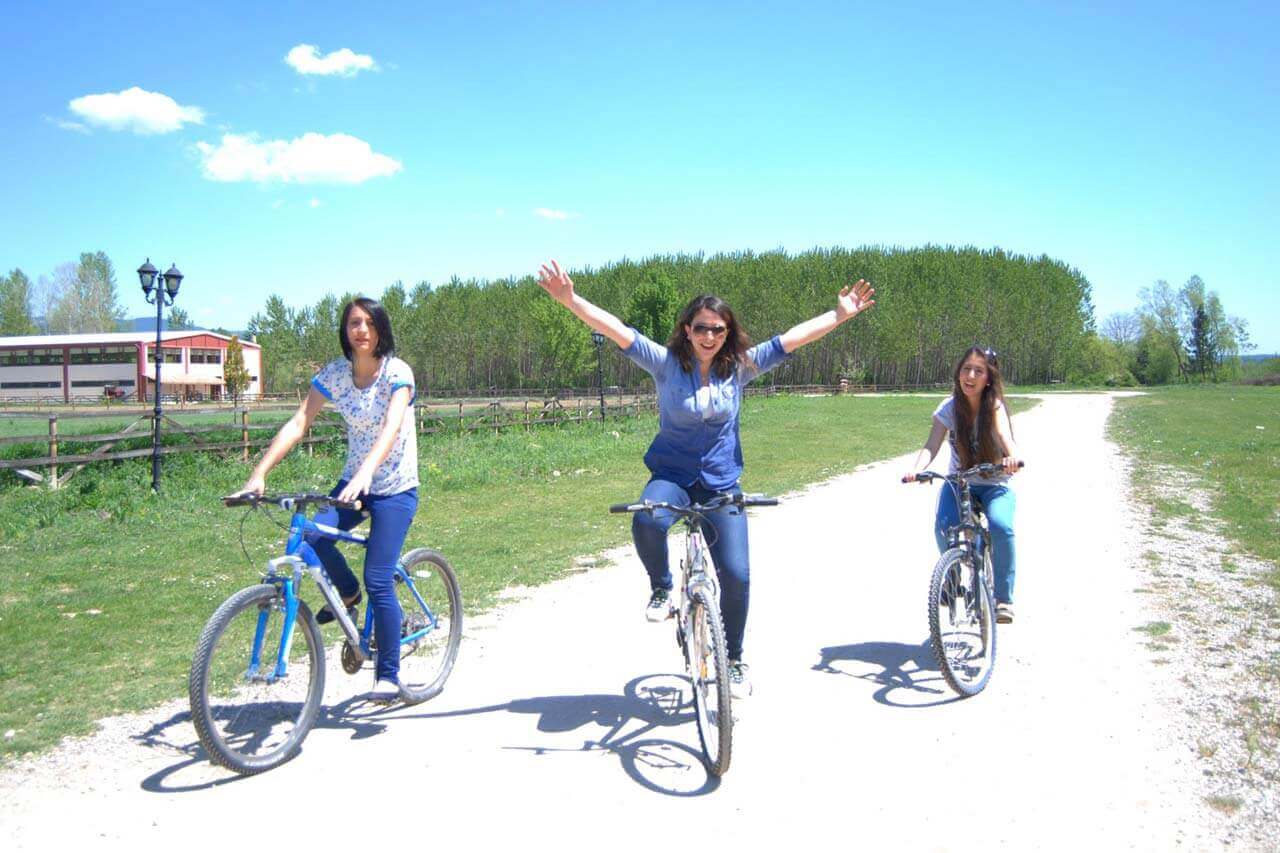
x: 286, y: 573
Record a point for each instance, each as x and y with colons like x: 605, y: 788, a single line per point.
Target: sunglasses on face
x: 704, y: 329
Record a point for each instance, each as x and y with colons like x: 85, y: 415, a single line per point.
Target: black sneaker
x: 659, y: 607
x: 739, y: 680
x: 325, y: 615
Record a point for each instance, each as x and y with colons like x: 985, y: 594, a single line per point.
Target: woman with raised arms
x: 700, y: 375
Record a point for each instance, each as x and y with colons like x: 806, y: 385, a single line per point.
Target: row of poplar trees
x: 931, y: 304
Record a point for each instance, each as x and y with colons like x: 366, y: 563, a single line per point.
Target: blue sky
x: 1133, y: 141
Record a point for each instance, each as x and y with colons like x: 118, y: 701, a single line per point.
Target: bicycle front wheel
x: 431, y: 632
x: 962, y: 623
x: 707, y: 660
x: 251, y: 705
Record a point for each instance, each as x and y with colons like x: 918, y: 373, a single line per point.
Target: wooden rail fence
x: 244, y: 432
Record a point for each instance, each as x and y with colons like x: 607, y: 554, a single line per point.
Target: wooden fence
x: 249, y: 428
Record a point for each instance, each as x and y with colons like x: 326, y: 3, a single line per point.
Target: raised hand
x: 853, y: 299
x: 556, y: 282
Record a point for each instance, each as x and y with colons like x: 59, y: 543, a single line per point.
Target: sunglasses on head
x: 991, y: 355
x: 704, y: 329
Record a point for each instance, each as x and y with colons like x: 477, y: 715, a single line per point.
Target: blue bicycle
x: 257, y: 678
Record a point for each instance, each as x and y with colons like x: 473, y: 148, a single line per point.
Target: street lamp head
x: 147, y: 275
x: 172, y: 279
x: 597, y: 338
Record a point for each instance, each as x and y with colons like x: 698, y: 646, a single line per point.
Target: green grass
x: 1228, y: 438
x: 511, y: 508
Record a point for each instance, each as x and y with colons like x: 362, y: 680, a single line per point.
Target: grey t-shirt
x: 945, y: 414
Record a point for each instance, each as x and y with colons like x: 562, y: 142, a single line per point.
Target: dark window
x: 30, y: 384
x: 103, y: 355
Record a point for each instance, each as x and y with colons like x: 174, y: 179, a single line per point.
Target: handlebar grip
x: 239, y: 500
x: 758, y: 500
x: 620, y: 508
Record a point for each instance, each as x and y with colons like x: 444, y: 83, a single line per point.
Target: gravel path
x: 559, y: 726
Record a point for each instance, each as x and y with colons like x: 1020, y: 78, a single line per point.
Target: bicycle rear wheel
x: 432, y: 628
x: 247, y: 716
x: 962, y: 623
x: 707, y: 661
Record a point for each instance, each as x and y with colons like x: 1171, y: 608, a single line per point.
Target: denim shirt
x: 698, y: 438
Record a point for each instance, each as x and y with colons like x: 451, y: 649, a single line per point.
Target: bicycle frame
x: 286, y: 573
x: 693, y: 569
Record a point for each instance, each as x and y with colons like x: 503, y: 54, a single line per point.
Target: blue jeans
x: 726, y: 533
x: 390, y: 516
x: 998, y: 503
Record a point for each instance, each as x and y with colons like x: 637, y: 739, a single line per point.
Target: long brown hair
x: 985, y: 447
x: 731, y: 356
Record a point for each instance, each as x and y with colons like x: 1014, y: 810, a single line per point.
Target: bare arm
x: 852, y: 300
x: 359, y: 483
x: 287, y: 436
x: 930, y: 450
x: 557, y: 283
x: 1004, y: 432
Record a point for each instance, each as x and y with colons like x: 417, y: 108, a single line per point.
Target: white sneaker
x: 383, y: 691
x: 739, y: 680
x: 659, y: 607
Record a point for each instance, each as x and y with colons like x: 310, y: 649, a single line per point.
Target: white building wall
x: 31, y: 373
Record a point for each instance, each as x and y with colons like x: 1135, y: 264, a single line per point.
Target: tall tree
x: 82, y: 297
x: 179, y: 319
x: 15, y: 305
x: 1123, y: 328
x: 1200, y: 350
x: 234, y: 374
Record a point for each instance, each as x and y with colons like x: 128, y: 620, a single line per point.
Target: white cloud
x: 312, y: 158
x: 306, y: 59
x: 315, y: 202
x: 277, y: 204
x: 502, y: 211
x: 66, y: 125
x: 549, y: 213
x: 137, y: 110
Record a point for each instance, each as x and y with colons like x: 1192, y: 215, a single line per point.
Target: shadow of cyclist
x: 631, y: 722
x: 908, y: 675
x: 647, y: 704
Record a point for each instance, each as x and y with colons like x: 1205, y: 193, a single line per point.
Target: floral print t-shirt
x: 364, y: 410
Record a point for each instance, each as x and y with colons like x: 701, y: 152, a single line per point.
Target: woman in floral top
x: 374, y: 392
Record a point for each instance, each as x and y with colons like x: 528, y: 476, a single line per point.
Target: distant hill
x: 148, y: 324
x: 1258, y: 357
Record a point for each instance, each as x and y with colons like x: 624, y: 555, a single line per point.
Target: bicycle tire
x: 425, y: 664
x: 250, y: 724
x: 964, y: 643
x: 704, y: 647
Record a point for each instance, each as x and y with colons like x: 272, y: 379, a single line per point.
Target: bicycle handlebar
x: 985, y: 469
x: 715, y: 503
x: 290, y: 501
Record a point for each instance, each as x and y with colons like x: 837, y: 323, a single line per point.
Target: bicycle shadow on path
x: 632, y: 723
x: 908, y: 675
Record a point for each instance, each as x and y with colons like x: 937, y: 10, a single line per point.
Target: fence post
x: 526, y: 415
x: 244, y: 434
x: 311, y: 448
x: 53, y: 451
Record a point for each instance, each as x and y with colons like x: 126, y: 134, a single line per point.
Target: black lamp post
x: 598, y: 340
x: 172, y: 279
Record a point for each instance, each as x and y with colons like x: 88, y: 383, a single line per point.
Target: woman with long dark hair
x: 374, y: 392
x: 976, y: 422
x: 700, y: 375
